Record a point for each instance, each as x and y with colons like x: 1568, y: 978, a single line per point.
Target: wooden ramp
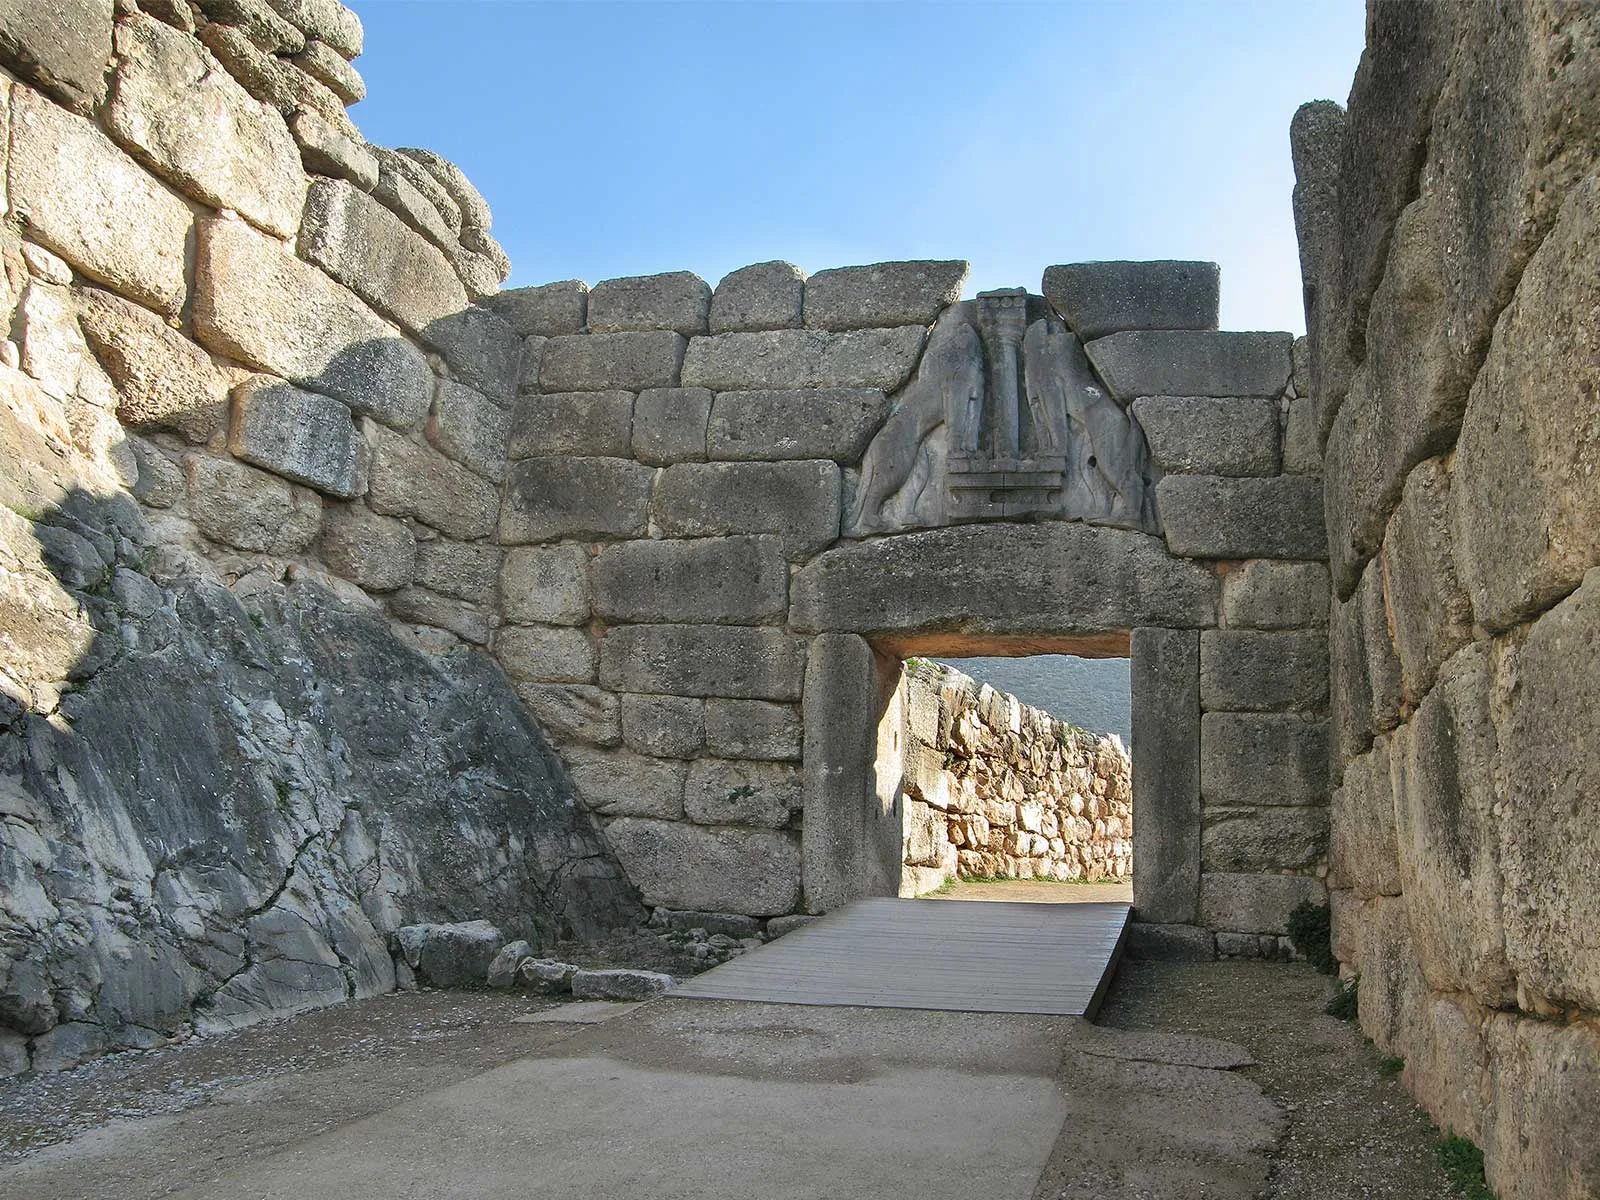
x: 964, y: 956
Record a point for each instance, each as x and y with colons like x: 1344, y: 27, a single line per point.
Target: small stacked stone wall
x: 997, y: 789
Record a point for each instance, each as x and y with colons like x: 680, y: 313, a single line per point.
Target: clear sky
x: 629, y: 138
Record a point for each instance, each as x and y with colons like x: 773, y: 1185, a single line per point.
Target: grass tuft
x: 1311, y: 932
x: 1463, y: 1163
x: 1345, y: 1002
x: 1389, y: 1066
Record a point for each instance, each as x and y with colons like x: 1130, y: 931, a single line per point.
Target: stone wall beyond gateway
x: 1450, y: 243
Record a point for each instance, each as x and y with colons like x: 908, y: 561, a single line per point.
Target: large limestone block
x: 1316, y: 143
x: 1164, y: 685
x: 1054, y: 579
x: 618, y: 783
x: 78, y: 194
x: 1203, y: 435
x: 474, y: 208
x: 1429, y: 611
x: 1097, y: 298
x: 372, y: 252
x: 1364, y: 848
x: 1549, y: 840
x: 709, y: 869
x: 549, y: 498
x: 895, y: 293
x: 259, y: 304
x: 803, y: 358
x: 550, y: 310
x: 64, y: 46
x: 669, y: 425
x: 1269, y: 594
x: 740, y: 662
x: 548, y: 584
x: 834, y: 423
x: 1394, y: 996
x: 470, y: 428
x: 1448, y: 1067
x: 591, y: 423
x: 1263, y: 839
x: 546, y: 653
x: 752, y: 729
x: 798, y: 501
x: 1207, y: 516
x: 376, y: 553
x: 1191, y: 363
x: 1263, y: 758
x: 765, y: 295
x: 723, y: 581
x: 423, y: 606
x: 270, y: 79
x: 1243, y: 903
x: 483, y: 351
x: 597, y: 362
x: 328, y: 67
x: 416, y: 198
x: 1526, y: 482
x: 195, y: 127
x: 326, y: 20
x: 1243, y: 670
x: 665, y: 726
x: 574, y: 712
x: 465, y: 570
x: 248, y: 509
x: 298, y: 434
x: 678, y: 300
x: 763, y: 794
x: 1538, y: 1138
x: 408, y: 480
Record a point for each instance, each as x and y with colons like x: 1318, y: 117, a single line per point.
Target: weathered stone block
x: 752, y: 729
x: 548, y: 498
x: 271, y: 79
x: 63, y: 46
x: 408, y: 480
x: 620, y: 984
x: 1180, y: 363
x: 617, y: 783
x: 376, y: 553
x: 720, y: 792
x: 804, y: 358
x: 422, y: 606
x: 574, y: 712
x: 1538, y: 1136
x: 665, y: 726
x: 550, y: 310
x: 416, y: 198
x: 1263, y: 759
x: 450, y: 955
x: 1206, y: 516
x: 679, y: 301
x: 465, y: 570
x: 475, y: 213
x: 725, y: 581
x: 483, y: 351
x: 1164, y: 684
x: 548, y: 584
x: 741, y: 662
x: 197, y: 128
x: 1431, y: 614
x: 298, y: 434
x: 1363, y: 850
x: 752, y: 871
x: 470, y: 428
x: 1254, y: 903
x: 1243, y: 670
x: 883, y: 294
x: 669, y: 425
x: 1302, y: 441
x: 1270, y: 594
x: 591, y: 423
x: 78, y: 194
x: 1393, y: 994
x: 326, y: 20
x: 834, y: 423
x: 798, y: 501
x: 1263, y: 839
x: 596, y: 362
x: 1098, y: 298
x: 326, y: 150
x: 248, y: 509
x: 328, y: 67
x: 1054, y: 579
x: 259, y: 304
x: 1200, y: 435
x: 1447, y: 1070
x: 546, y: 653
x: 766, y: 295
x: 1171, y: 943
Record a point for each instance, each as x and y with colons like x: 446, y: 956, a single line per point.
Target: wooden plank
x: 964, y: 956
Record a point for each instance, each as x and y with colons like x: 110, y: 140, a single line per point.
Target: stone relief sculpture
x: 1004, y: 418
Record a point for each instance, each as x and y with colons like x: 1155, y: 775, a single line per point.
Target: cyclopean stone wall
x: 1448, y: 225
x: 251, y: 432
x: 996, y: 788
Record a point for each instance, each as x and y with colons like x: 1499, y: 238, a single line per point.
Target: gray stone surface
x: 720, y: 792
x: 1164, y: 683
x: 733, y: 580
x: 549, y: 498
x: 765, y: 295
x: 1302, y: 443
x: 1271, y: 594
x: 199, y: 130
x: 831, y: 423
x: 679, y: 300
x: 470, y: 428
x: 1349, y: 683
x: 1171, y: 942
x: 1255, y: 903
x: 584, y: 423
x: 752, y: 729
x: 416, y: 198
x: 1537, y: 1131
x: 1098, y: 298
x: 548, y: 584
x: 802, y: 358
x: 424, y: 607
x: 740, y: 662
x: 483, y: 351
x: 619, y: 783
x: 1243, y: 670
x: 1377, y: 646
x: 64, y: 47
x: 574, y: 712
x: 1427, y: 606
x: 298, y: 434
x: 474, y: 208
x: 798, y: 501
x: 1160, y: 363
x: 450, y: 955
x: 669, y: 425
x: 751, y: 871
x: 1263, y: 759
x: 504, y: 966
x: 376, y: 553
x: 593, y: 362
x: 1052, y: 579
x: 328, y: 67
x: 465, y: 570
x: 546, y: 653
x: 1263, y: 839
x: 259, y: 304
x: 248, y: 509
x: 619, y: 984
x: 1207, y: 516
x: 550, y: 310
x: 1363, y: 847
x: 408, y: 480
x: 78, y: 194
x: 665, y: 726
x: 1201, y: 435
x: 883, y: 294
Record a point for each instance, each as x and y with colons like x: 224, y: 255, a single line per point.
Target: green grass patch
x: 1346, y: 1001
x: 1389, y: 1066
x: 1462, y: 1162
x: 1311, y: 931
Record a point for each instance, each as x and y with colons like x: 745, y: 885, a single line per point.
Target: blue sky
x: 629, y: 138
